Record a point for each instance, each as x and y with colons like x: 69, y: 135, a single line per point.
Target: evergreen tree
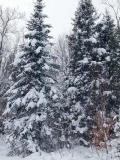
x: 91, y: 89
x: 108, y: 40
x: 29, y: 109
x: 82, y: 44
x: 104, y: 81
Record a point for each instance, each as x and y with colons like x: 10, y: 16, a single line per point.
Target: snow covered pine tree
x: 91, y: 88
x: 29, y: 109
x: 81, y: 44
x: 108, y: 44
x: 89, y: 67
x: 108, y: 41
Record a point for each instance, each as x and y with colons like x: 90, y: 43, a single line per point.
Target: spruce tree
x: 29, y: 110
x: 104, y: 81
x: 82, y: 43
x: 91, y: 89
x: 108, y: 40
x: 103, y: 84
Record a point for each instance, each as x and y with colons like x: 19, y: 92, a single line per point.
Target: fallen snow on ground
x: 78, y: 153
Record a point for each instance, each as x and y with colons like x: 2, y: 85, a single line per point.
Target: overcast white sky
x: 59, y: 12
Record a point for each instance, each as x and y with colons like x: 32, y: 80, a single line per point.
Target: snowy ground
x: 79, y: 153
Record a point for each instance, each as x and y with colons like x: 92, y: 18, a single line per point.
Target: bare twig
x: 115, y: 9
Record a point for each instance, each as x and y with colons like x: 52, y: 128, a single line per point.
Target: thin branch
x: 115, y: 10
